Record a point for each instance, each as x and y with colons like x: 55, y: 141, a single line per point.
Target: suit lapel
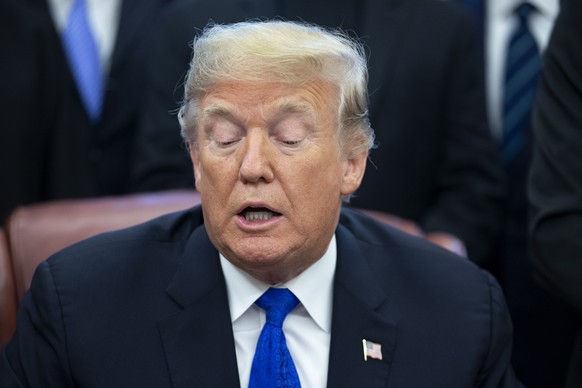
x: 360, y: 311
x: 198, y: 341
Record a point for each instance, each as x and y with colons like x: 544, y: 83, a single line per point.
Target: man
x: 555, y: 182
x: 425, y: 83
x: 275, y: 119
x: 515, y: 34
x: 76, y: 152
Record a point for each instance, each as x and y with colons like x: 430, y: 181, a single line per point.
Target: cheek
x: 318, y: 183
x: 317, y: 202
x: 215, y: 168
x: 211, y: 175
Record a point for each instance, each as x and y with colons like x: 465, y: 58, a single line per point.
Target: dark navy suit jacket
x: 555, y: 187
x: 147, y: 307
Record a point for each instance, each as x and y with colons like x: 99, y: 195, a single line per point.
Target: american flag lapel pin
x: 372, y: 350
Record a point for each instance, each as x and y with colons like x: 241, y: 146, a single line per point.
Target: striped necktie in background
x: 82, y: 53
x: 521, y: 79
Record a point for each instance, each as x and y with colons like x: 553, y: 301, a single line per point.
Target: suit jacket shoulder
x: 147, y: 306
x: 438, y: 317
x: 127, y: 308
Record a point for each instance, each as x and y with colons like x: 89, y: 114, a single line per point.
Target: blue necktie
x: 272, y: 364
x: 521, y: 79
x: 83, y: 56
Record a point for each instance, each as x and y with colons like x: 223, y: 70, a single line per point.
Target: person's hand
x: 448, y: 241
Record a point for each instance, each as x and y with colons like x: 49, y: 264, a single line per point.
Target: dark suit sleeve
x: 29, y: 99
x: 36, y: 356
x: 468, y: 203
x: 555, y: 187
x: 436, y: 162
x: 161, y: 159
x: 497, y: 370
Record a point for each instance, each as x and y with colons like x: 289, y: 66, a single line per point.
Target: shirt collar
x: 548, y: 8
x: 313, y: 287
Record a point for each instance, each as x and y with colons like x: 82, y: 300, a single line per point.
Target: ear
x: 354, y: 173
x: 195, y: 157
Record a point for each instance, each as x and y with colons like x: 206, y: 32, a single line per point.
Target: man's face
x: 271, y: 174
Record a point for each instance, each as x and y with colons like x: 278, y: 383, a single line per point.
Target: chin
x: 257, y: 254
x: 256, y: 257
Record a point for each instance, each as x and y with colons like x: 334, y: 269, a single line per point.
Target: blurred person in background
x: 81, y: 83
x: 515, y: 36
x: 555, y: 182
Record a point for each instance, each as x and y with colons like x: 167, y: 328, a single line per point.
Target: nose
x: 255, y: 164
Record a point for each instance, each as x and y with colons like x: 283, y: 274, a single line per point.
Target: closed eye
x: 226, y: 144
x: 291, y: 142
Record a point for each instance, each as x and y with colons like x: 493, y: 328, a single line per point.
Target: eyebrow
x: 281, y: 106
x: 291, y: 106
x: 218, y: 110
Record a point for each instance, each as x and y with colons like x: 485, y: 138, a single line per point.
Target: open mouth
x: 258, y: 214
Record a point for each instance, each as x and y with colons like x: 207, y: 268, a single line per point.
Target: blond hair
x: 287, y: 52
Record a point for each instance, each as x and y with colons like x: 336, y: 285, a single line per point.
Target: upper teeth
x: 258, y: 215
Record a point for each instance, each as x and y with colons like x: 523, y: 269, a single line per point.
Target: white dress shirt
x: 103, y: 19
x: 307, y: 328
x: 501, y: 21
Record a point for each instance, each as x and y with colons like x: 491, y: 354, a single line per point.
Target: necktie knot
x: 277, y: 303
x: 524, y: 10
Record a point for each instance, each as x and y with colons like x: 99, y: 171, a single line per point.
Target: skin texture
x: 273, y: 147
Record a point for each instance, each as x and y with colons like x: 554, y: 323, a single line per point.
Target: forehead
x: 265, y: 99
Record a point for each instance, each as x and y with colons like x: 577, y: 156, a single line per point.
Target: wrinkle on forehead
x: 269, y: 98
x: 283, y: 106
